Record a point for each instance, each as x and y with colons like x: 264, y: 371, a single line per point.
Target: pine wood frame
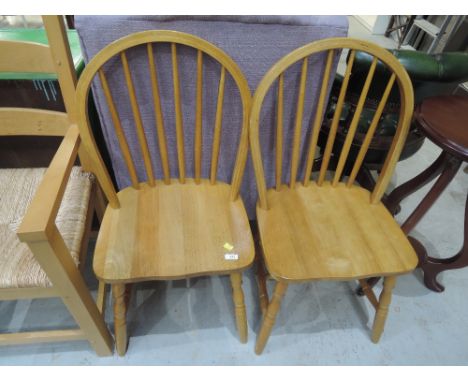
x: 94, y: 68
x: 399, y: 76
x: 38, y: 229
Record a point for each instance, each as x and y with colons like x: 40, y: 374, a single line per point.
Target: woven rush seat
x: 18, y: 267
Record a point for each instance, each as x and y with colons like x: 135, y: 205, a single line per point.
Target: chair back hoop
x: 174, y: 38
x: 332, y: 46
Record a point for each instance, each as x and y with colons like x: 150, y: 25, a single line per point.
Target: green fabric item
x: 442, y: 67
x: 39, y: 36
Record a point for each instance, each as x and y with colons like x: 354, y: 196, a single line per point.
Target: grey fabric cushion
x: 254, y: 42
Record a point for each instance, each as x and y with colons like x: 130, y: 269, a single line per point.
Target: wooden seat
x: 306, y: 240
x: 173, y: 232
x: 312, y: 228
x: 46, y: 214
x: 164, y: 229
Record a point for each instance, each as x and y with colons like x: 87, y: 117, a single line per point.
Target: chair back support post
x: 65, y: 69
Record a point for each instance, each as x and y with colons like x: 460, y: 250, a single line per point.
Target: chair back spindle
x: 198, y: 118
x: 137, y: 119
x: 335, y: 120
x: 151, y: 40
x: 318, y: 117
x: 158, y: 114
x: 279, y: 133
x: 298, y: 124
x: 217, y: 129
x: 346, y: 164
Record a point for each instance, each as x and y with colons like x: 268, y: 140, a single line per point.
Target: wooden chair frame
x: 93, y: 69
x: 38, y: 229
x: 400, y: 77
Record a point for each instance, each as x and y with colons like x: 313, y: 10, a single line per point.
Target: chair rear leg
x: 262, y: 288
x: 270, y: 316
x: 239, y: 306
x: 382, y: 310
x: 120, y: 322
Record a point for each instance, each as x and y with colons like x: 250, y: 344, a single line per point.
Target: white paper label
x: 231, y: 256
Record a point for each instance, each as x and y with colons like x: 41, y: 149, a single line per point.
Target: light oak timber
x: 318, y: 117
x: 159, y: 116
x: 38, y: 229
x: 279, y: 132
x: 42, y: 336
x: 161, y: 233
x: 331, y: 230
x: 65, y: 69
x: 23, y: 121
x: 336, y: 119
x: 178, y: 228
x: 298, y: 124
x: 137, y: 118
x: 198, y: 118
x: 25, y: 57
x: 120, y: 321
x: 331, y: 233
x: 382, y: 310
x: 239, y: 306
x: 178, y: 115
x: 8, y: 294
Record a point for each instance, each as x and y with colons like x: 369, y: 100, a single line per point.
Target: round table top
x: 444, y: 120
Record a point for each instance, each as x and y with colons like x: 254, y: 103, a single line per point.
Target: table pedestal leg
x: 447, y: 166
x: 432, y: 266
x: 399, y: 193
x: 450, y: 168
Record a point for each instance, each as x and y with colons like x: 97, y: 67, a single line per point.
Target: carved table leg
x: 239, y: 306
x: 401, y: 192
x: 365, y: 179
x: 270, y: 317
x: 382, y: 310
x: 451, y: 167
x: 120, y: 324
x: 433, y: 266
x: 447, y: 166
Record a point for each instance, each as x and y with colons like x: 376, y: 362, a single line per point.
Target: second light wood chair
x: 317, y: 229
x: 169, y: 228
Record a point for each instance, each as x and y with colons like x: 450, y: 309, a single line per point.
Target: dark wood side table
x: 444, y: 120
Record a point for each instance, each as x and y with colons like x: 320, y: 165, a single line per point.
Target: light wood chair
x: 46, y: 214
x: 170, y: 228
x: 318, y: 229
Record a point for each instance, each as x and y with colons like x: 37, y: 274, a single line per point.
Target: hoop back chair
x: 46, y: 214
x: 318, y: 229
x: 168, y: 228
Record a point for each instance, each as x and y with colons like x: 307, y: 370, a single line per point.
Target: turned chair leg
x: 382, y: 310
x: 120, y: 323
x: 262, y: 288
x: 270, y: 316
x: 239, y: 306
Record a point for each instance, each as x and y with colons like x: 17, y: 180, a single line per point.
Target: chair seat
x: 18, y: 267
x: 173, y: 231
x: 323, y: 233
